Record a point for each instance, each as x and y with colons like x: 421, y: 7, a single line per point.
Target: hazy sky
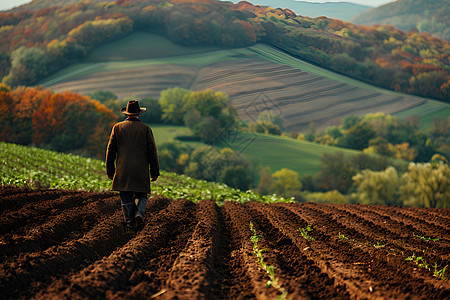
x: 8, y: 4
x: 363, y: 2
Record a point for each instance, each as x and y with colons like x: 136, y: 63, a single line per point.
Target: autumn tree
x: 265, y: 181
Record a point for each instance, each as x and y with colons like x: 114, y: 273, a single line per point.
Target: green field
x: 263, y: 150
x: 150, y: 46
x: 169, y: 133
x: 38, y: 168
x: 427, y: 113
x: 278, y: 152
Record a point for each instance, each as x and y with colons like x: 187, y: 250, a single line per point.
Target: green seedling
x: 422, y: 263
x: 439, y: 273
x: 342, y: 236
x: 379, y: 245
x: 427, y: 238
x: 269, y: 269
x: 304, y: 232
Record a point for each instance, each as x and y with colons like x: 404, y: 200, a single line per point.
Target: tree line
x: 379, y: 175
x: 65, y: 122
x: 36, y: 43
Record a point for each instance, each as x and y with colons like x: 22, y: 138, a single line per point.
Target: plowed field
x: 69, y: 244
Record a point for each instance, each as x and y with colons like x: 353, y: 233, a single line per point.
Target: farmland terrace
x: 256, y: 78
x: 253, y: 85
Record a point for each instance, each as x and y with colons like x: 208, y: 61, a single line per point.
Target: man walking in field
x: 131, y: 150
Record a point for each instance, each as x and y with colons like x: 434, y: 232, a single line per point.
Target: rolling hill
x: 423, y: 15
x: 271, y: 151
x: 37, y: 43
x: 256, y: 78
x: 337, y: 10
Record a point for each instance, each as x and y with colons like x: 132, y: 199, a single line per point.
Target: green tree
x: 426, y: 185
x: 270, y: 116
x: 377, y: 187
x: 266, y: 127
x: 286, y: 183
x: 336, y: 173
x: 28, y: 65
x: 103, y: 96
x: 350, y: 121
x: 358, y: 136
x: 208, y: 114
x: 172, y: 102
x: 153, y: 114
x: 236, y: 177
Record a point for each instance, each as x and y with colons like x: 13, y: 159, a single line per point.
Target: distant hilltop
x: 345, y: 11
x: 430, y: 16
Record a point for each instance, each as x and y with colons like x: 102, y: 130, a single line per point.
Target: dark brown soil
x: 72, y: 245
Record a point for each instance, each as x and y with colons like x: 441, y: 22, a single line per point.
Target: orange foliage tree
x: 62, y: 121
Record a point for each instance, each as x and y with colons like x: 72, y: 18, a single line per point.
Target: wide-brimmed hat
x: 133, y: 108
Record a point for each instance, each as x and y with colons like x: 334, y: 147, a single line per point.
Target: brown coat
x: 132, y: 146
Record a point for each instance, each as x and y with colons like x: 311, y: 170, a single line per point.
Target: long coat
x: 132, y: 146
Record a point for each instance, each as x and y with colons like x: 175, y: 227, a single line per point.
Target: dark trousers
x: 129, y: 207
x: 129, y: 197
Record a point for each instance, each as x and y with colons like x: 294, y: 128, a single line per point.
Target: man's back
x: 132, y: 145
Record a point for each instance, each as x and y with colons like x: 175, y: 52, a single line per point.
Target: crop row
x: 38, y: 168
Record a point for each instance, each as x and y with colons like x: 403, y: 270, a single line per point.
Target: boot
x: 129, y: 216
x: 140, y: 212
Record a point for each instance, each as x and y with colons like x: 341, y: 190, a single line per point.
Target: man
x: 132, y: 146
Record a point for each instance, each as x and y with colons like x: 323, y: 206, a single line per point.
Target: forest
x: 35, y: 43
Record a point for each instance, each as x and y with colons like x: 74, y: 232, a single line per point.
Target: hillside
x: 266, y: 150
x: 36, y: 43
x: 40, y: 4
x: 342, y: 10
x: 23, y: 166
x: 259, y: 75
x: 345, y: 11
x: 423, y: 15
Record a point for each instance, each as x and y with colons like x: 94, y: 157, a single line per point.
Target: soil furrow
x: 388, y: 229
x: 69, y: 224
x: 150, y: 278
x: 196, y: 261
x: 428, y: 224
x: 13, y: 201
x: 72, y: 245
x: 258, y: 278
x: 387, y: 271
x: 38, y: 212
x: 112, y: 273
x: 17, y: 274
x: 305, y: 279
